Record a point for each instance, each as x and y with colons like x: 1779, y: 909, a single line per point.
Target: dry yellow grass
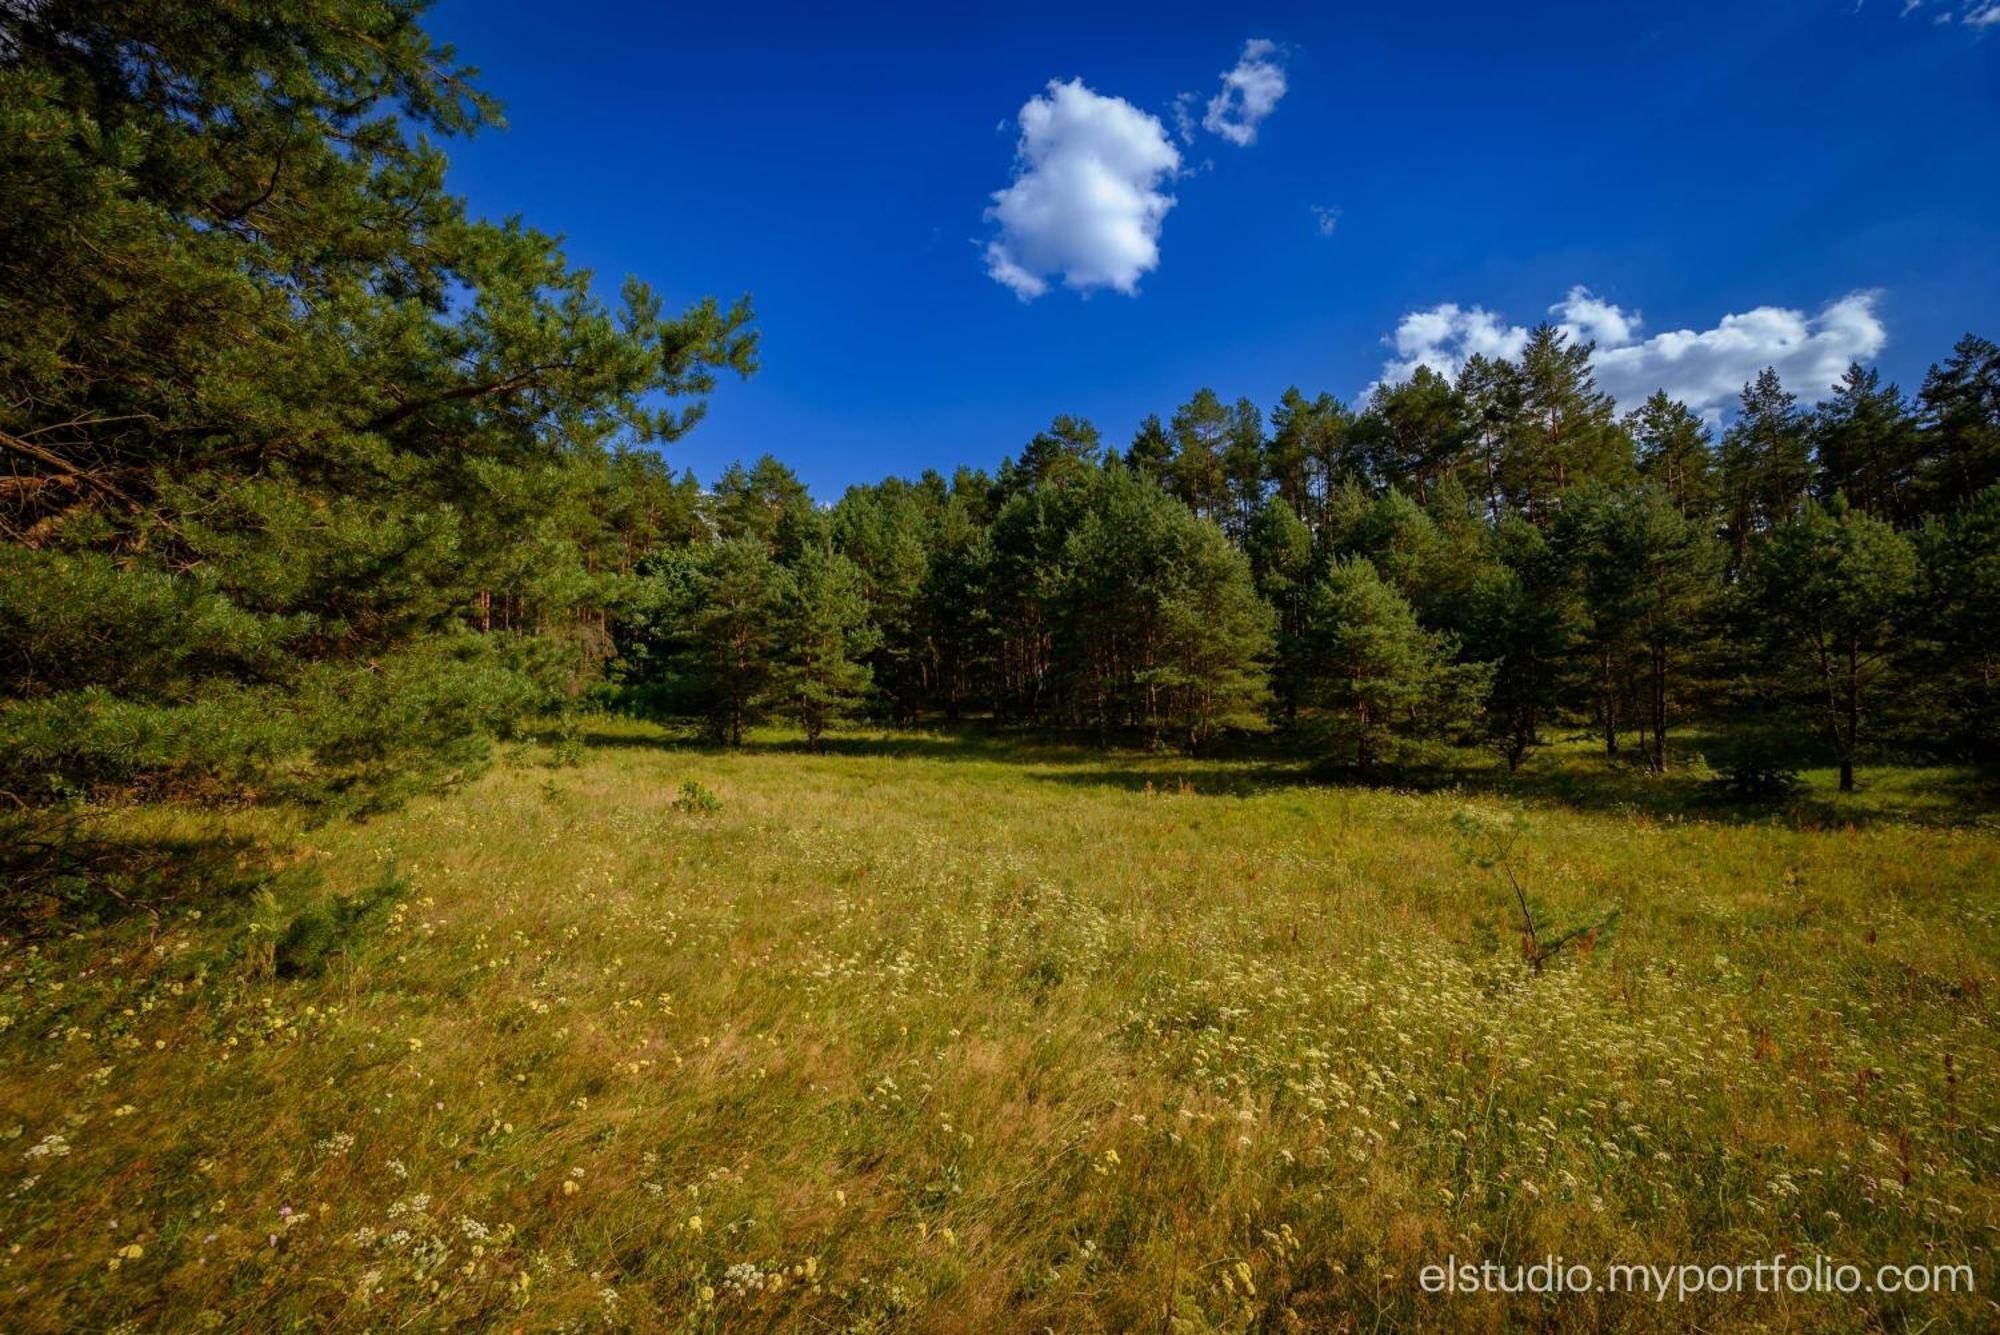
x: 941, y: 1036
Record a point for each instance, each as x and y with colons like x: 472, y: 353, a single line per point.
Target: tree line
x: 1472, y: 559
x: 311, y: 483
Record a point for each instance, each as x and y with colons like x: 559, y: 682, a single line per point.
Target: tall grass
x: 936, y: 1035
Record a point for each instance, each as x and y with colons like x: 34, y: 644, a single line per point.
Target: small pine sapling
x: 1493, y: 843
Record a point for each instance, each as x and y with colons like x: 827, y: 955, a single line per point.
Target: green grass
x: 950, y: 1034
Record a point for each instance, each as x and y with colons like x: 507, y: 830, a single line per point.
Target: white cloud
x: 1085, y: 204
x: 1249, y: 92
x: 1970, y: 13
x: 1588, y: 317
x: 1443, y: 337
x: 1706, y: 368
x: 1326, y: 219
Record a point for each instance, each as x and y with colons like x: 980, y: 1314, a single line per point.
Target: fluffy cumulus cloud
x: 1445, y: 336
x: 1250, y: 91
x: 1704, y: 368
x: 1086, y: 202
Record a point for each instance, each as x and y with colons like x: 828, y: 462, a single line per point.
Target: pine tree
x: 1214, y: 635
x: 1152, y: 450
x: 1961, y: 658
x: 1521, y: 620
x: 885, y: 531
x: 956, y: 614
x: 1286, y: 453
x: 729, y: 645
x: 1865, y: 444
x: 270, y: 388
x: 1413, y: 434
x: 766, y: 503
x: 1565, y: 432
x: 1766, y: 463
x: 1491, y: 394
x: 1280, y: 549
x: 1199, y: 477
x: 1833, y: 587
x: 1380, y: 677
x: 1647, y: 576
x: 1243, y: 468
x: 1675, y: 451
x: 1313, y: 453
x: 1057, y: 457
x: 1960, y: 405
x: 823, y: 633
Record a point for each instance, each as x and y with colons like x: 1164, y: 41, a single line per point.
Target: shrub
x: 696, y: 800
x: 1754, y: 778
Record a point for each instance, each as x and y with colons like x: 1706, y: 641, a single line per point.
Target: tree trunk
x: 1609, y: 697
x: 1853, y: 717
x: 1659, y: 703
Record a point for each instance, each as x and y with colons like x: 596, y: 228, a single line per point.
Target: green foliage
x: 1495, y: 843
x: 1561, y: 431
x: 1646, y: 575
x: 328, y: 927
x: 1280, y: 548
x: 315, y: 484
x: 1156, y: 615
x: 1754, y: 778
x: 695, y: 800
x: 1865, y: 446
x: 1414, y: 433
x: 1765, y: 465
x: 1674, y: 452
x: 284, y: 424
x: 1383, y: 681
x: 823, y: 633
x: 1520, y: 617
x: 1834, y: 591
x: 766, y: 504
x: 723, y: 609
x: 1959, y: 411
x: 1959, y: 656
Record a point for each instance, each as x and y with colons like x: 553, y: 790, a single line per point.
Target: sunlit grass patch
x: 946, y: 1034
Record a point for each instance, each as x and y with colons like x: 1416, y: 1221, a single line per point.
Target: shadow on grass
x: 1571, y: 773
x: 61, y: 871
x: 1578, y: 783
x: 967, y: 743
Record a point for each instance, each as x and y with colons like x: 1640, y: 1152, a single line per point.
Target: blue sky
x: 1828, y: 174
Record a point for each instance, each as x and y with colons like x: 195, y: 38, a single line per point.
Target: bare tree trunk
x: 1853, y: 717
x: 1659, y: 703
x: 1610, y: 706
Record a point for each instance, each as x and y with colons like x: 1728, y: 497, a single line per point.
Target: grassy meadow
x: 952, y: 1034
